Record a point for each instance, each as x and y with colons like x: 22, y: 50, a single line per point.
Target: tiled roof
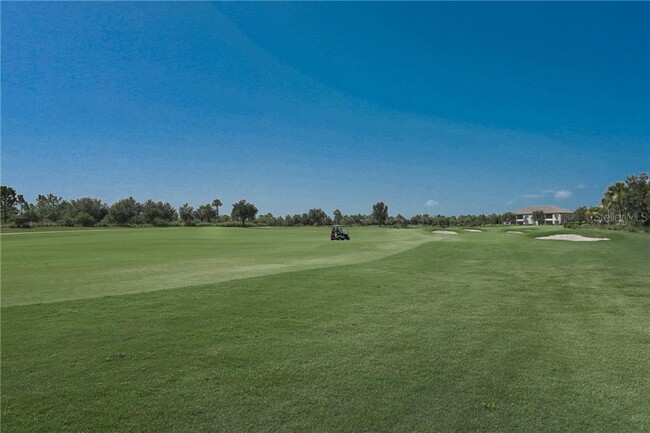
x: 545, y: 209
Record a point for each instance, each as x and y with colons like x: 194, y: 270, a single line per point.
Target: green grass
x: 57, y: 265
x: 387, y: 332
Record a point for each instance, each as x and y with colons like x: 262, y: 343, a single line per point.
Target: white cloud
x: 431, y: 203
x: 563, y: 193
x: 581, y: 186
x: 558, y: 194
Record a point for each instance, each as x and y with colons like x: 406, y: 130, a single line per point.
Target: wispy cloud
x: 431, y: 203
x: 509, y: 202
x: 581, y: 186
x: 558, y: 194
x: 563, y: 193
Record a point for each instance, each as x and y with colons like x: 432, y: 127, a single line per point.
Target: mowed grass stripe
x: 482, y: 333
x: 58, y: 230
x: 59, y: 266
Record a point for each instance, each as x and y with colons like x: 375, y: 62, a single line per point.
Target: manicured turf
x: 41, y: 266
x: 473, y: 332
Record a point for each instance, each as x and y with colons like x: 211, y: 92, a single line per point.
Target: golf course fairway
x: 282, y: 330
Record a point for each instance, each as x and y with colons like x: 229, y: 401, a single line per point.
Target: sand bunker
x: 572, y: 238
x: 443, y: 232
x: 473, y: 230
x: 514, y: 232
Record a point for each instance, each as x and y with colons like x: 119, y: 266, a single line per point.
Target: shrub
x: 160, y: 222
x: 67, y: 222
x: 22, y: 222
x: 84, y: 219
x: 230, y: 224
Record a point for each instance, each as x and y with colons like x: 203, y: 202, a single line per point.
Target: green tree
x: 26, y: 216
x: 508, y: 218
x: 84, y: 219
x: 8, y: 200
x: 186, y: 213
x: 242, y: 211
x: 580, y: 214
x: 125, y: 211
x: 494, y: 219
x: 158, y: 213
x: 50, y: 207
x: 614, y: 196
x: 206, y: 213
x: 338, y: 216
x: 269, y: 220
x: 596, y: 214
x: 380, y: 213
x: 628, y: 202
x: 317, y: 217
x: 538, y: 217
x: 635, y: 203
x: 423, y: 220
x: 400, y: 221
x: 93, y: 207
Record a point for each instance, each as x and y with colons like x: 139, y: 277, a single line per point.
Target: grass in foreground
x: 474, y: 332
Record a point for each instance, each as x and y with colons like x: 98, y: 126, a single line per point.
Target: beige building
x: 553, y: 215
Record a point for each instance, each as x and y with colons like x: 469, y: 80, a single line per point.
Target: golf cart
x: 340, y: 233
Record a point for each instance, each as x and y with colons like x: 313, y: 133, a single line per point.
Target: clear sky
x: 431, y: 107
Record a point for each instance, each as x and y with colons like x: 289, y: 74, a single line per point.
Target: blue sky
x: 431, y: 107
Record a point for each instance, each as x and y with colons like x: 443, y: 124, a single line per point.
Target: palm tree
x: 594, y: 214
x: 613, y: 196
x: 337, y: 216
x: 205, y: 213
x: 216, y: 203
x: 186, y: 213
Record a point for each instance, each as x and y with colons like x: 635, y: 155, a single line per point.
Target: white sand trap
x: 572, y: 238
x: 514, y: 232
x: 473, y: 230
x: 443, y: 232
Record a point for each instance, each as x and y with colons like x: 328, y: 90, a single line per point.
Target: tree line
x: 625, y: 202
x: 53, y: 210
